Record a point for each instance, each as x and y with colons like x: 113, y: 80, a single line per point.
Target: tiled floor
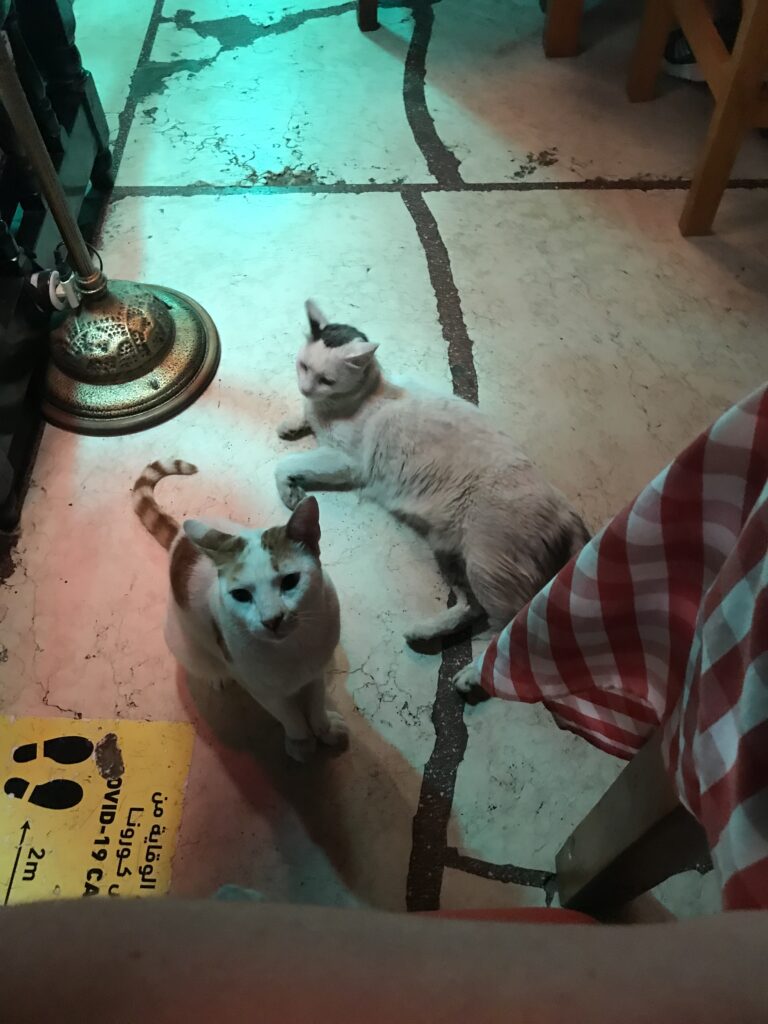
x: 268, y: 151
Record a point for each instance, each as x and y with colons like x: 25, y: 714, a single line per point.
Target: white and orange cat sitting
x: 254, y: 606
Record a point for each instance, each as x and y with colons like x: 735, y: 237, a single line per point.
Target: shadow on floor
x: 356, y: 807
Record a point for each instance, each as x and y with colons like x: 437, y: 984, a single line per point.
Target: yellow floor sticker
x: 89, y: 808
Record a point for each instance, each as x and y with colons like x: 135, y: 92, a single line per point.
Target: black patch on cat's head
x: 336, y: 335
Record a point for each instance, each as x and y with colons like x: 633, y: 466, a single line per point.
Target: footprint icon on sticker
x: 57, y: 794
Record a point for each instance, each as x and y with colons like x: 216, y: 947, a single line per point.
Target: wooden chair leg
x: 367, y: 15
x: 733, y: 116
x: 635, y: 837
x: 562, y: 27
x: 657, y: 22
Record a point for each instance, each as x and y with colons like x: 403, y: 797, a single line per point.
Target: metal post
x: 91, y: 282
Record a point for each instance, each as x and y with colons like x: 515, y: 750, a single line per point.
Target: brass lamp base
x: 129, y: 360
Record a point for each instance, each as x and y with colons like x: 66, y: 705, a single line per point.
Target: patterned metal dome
x: 115, y: 339
x: 129, y: 360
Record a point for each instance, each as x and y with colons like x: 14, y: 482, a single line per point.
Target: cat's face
x: 265, y: 576
x: 335, y: 359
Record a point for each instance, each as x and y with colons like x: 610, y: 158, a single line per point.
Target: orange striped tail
x: 162, y: 526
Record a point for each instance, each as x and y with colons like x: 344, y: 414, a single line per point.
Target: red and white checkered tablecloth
x: 662, y: 621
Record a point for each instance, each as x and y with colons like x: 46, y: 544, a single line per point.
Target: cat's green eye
x: 241, y: 595
x: 327, y: 381
x: 290, y: 581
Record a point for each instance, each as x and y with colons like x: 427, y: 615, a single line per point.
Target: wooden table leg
x: 367, y: 15
x: 733, y: 116
x: 657, y: 22
x: 562, y: 28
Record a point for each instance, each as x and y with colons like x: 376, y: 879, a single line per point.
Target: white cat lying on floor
x: 254, y: 606
x: 436, y: 463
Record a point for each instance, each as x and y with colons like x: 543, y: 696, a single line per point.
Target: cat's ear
x: 220, y: 547
x: 317, y: 321
x: 359, y: 353
x: 304, y: 525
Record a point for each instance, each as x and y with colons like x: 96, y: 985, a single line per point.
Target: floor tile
x: 524, y: 784
x: 603, y: 341
x: 246, y: 103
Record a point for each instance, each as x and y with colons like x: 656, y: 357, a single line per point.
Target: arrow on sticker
x: 24, y: 829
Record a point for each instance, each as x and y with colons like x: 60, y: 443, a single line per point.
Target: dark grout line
x: 442, y: 162
x: 429, y: 843
x: 128, y: 113
x: 429, y: 837
x: 433, y: 812
x: 449, y: 311
x: 400, y: 188
x: 507, y: 873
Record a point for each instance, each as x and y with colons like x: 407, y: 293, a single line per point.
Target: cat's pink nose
x: 272, y: 624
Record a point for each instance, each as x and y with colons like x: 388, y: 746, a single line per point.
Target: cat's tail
x: 162, y: 526
x: 580, y: 536
x: 570, y: 538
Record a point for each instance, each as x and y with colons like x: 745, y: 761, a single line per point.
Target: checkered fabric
x: 662, y: 622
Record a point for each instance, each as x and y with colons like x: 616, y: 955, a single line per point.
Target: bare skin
x: 166, y: 962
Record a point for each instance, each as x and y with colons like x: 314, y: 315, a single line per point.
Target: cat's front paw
x: 292, y: 429
x: 334, y: 732
x: 301, y: 750
x: 422, y: 638
x: 290, y: 491
x: 467, y: 681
